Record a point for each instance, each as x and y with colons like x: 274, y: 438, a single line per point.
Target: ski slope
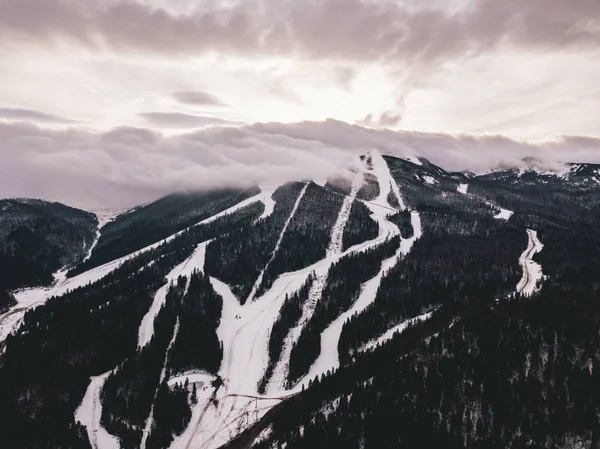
x: 532, y: 271
x: 33, y: 297
x: 89, y: 413
x: 277, y: 245
x: 389, y: 334
x: 280, y: 372
x: 186, y: 268
x: 163, y: 372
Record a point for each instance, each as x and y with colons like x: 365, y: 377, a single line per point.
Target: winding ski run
x: 532, y: 271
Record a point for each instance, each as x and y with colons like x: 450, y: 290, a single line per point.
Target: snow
x: 200, y: 378
x: 104, y: 218
x: 414, y: 160
x: 386, y: 182
x: 89, y: 413
x: 280, y: 372
x: 462, y: 188
x: 277, y: 245
x: 393, y: 331
x: 504, y: 214
x: 532, y: 271
x: 186, y: 268
x: 329, y: 357
x: 163, y: 373
x: 266, y: 197
x: 429, y: 179
x: 33, y: 297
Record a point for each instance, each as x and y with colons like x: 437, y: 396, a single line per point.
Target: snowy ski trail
x: 33, y: 297
x: 389, y: 334
x: 504, y: 214
x: 186, y: 268
x: 89, y: 414
x: 163, y: 372
x: 532, y: 271
x: 328, y: 358
x: 277, y: 245
x: 103, y: 220
x: 280, y: 372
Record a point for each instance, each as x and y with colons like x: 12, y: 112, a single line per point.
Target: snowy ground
x: 163, y: 372
x: 33, y: 297
x: 104, y: 217
x: 393, y: 331
x: 532, y: 271
x: 504, y: 214
x: 462, y: 188
x: 89, y: 413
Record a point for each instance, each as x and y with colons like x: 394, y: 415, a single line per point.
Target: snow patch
x: 429, y: 179
x: 414, y: 160
x: 504, y: 214
x: 462, y: 188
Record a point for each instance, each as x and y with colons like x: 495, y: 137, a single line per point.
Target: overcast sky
x: 100, y: 84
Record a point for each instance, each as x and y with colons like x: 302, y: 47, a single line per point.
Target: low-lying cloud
x: 17, y: 114
x: 198, y: 98
x: 129, y: 166
x: 181, y: 120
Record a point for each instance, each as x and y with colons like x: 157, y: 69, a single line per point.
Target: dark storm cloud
x: 337, y: 29
x: 180, y: 120
x: 129, y: 166
x: 15, y: 114
x: 198, y: 98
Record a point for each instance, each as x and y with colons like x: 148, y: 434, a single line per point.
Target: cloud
x: 198, y: 98
x: 15, y: 114
x: 388, y: 119
x: 336, y: 29
x: 129, y: 166
x: 180, y: 120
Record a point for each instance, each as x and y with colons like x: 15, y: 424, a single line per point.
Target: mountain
x: 37, y: 238
x: 405, y: 306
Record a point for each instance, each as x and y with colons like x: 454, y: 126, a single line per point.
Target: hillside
x: 405, y: 307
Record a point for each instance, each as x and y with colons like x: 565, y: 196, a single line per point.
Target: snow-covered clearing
x: 163, y: 372
x: 462, y: 188
x: 414, y: 160
x: 429, y: 179
x: 532, y: 271
x: 89, y: 413
x: 393, y: 331
x: 277, y: 245
x: 504, y: 214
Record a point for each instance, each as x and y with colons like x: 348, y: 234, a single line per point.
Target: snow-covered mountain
x: 405, y: 306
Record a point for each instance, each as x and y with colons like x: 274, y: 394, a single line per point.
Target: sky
x: 113, y: 102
